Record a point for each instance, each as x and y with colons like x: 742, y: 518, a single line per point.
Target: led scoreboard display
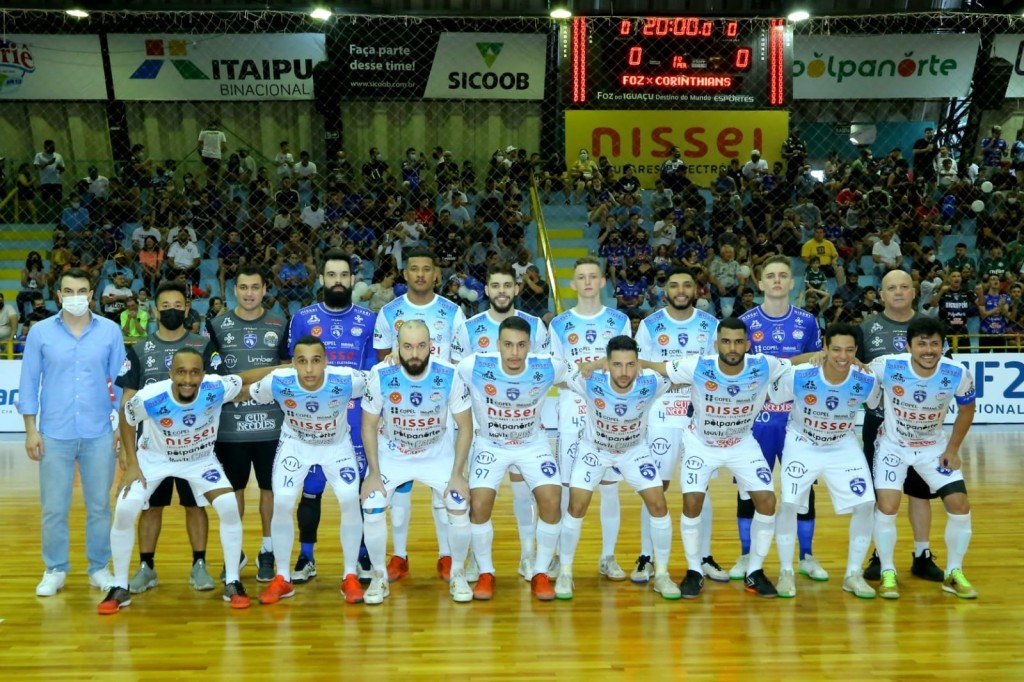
x: 658, y: 61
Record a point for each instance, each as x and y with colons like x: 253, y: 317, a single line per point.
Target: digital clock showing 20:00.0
x: 654, y: 61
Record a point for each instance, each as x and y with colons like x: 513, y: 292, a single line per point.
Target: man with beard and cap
x: 346, y: 331
x: 249, y: 337
x: 148, y: 362
x: 442, y: 317
x: 480, y: 335
x: 676, y: 331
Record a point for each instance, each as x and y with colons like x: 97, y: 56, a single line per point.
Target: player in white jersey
x: 442, y: 317
x: 581, y: 335
x: 315, y: 432
x: 728, y: 391
x: 407, y: 436
x: 918, y: 388
x: 618, y: 398
x: 821, y: 442
x: 508, y: 390
x: 181, y: 416
x: 479, y: 334
x: 676, y: 331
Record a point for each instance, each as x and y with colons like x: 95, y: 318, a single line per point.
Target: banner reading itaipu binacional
x: 708, y: 140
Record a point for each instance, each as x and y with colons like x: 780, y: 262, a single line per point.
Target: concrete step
x: 568, y: 233
x: 570, y: 252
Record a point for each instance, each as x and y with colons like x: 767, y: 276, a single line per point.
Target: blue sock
x: 307, y: 550
x: 805, y: 535
x: 744, y: 527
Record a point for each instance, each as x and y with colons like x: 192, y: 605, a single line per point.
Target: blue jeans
x: 95, y: 457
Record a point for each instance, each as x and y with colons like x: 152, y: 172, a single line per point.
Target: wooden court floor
x: 608, y: 631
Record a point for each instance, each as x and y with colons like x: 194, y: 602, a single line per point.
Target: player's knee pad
x: 763, y: 542
x: 454, y: 502
x: 963, y: 537
x: 315, y: 481
x: 405, y: 488
x: 125, y: 513
x: 227, y: 509
x: 458, y: 520
x: 373, y: 507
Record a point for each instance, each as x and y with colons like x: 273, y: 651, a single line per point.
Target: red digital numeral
x: 636, y: 55
x: 625, y: 27
x: 742, y: 62
x: 731, y: 29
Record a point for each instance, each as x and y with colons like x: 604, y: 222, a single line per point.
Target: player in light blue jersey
x: 479, y: 334
x: 346, y: 331
x: 821, y: 442
x: 918, y: 388
x: 407, y: 435
x: 442, y: 318
x: 676, y: 331
x: 181, y: 416
x: 314, y: 399
x: 782, y: 330
x: 581, y: 335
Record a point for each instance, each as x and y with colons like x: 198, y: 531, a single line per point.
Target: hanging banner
x: 916, y: 66
x: 35, y: 67
x: 488, y: 66
x: 165, y: 67
x: 1011, y: 48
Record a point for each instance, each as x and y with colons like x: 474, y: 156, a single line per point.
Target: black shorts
x: 239, y: 458
x: 161, y: 497
x: 914, y: 486
x: 211, y: 163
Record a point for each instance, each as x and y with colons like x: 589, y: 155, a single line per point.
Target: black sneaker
x: 924, y: 567
x: 305, y: 570
x: 265, y: 567
x: 874, y: 568
x: 235, y: 595
x: 116, y: 599
x: 692, y: 585
x: 757, y: 583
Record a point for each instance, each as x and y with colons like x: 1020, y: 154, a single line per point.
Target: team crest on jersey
x: 711, y: 386
x: 591, y: 335
x: 648, y: 471
x: 573, y: 338
x: 796, y: 469
x: 831, y: 402
x: 249, y: 339
x: 512, y: 393
x: 620, y: 409
x: 211, y: 475
x: 663, y: 339
x: 919, y: 396
x: 944, y: 471
x: 167, y: 422
x: 337, y: 331
x: 416, y: 398
x: 548, y: 468
x: 290, y: 404
x: 898, y: 391
x: 858, y: 486
x: 317, y: 331
x: 899, y: 343
x: 395, y: 397
x: 599, y: 404
x: 188, y: 419
x: 459, y: 499
x: 733, y: 390
x: 312, y: 406
x: 490, y: 389
x: 778, y: 335
x: 811, y: 399
x: 765, y: 474
x: 758, y: 336
x: 347, y: 474
x: 683, y: 338
x: 483, y: 342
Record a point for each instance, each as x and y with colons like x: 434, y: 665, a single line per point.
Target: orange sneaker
x: 541, y: 587
x: 484, y: 589
x: 444, y: 568
x: 278, y: 589
x: 235, y: 595
x: 352, y: 590
x: 116, y: 599
x: 398, y: 568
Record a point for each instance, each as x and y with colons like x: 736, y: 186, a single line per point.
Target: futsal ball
x: 978, y: 206
x: 986, y: 187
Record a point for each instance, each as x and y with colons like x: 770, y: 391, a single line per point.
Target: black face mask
x: 172, y: 319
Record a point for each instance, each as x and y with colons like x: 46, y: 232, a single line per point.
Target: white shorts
x: 488, y: 462
x: 744, y: 460
x: 635, y: 466
x: 842, y: 465
x: 892, y: 461
x: 666, y: 446
x: 203, y: 475
x: 293, y: 460
x: 431, y: 467
x: 571, y: 417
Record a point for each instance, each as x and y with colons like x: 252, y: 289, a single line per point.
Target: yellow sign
x: 708, y: 140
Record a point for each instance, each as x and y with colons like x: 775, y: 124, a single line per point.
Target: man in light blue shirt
x: 66, y: 397
x: 75, y: 218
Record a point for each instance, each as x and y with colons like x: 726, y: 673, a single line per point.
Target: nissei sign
x: 488, y: 66
x: 10, y: 376
x: 34, y: 66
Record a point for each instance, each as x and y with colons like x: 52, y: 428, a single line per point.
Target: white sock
x: 351, y: 532
x: 885, y: 539
x: 459, y: 538
x: 705, y: 526
x: 282, y: 532
x: 230, y: 534
x: 958, y: 537
x: 646, y: 547
x: 690, y: 530
x: 268, y: 544
x: 122, y: 538
x: 569, y: 538
x: 375, y: 536
x: 785, y: 535
x: 522, y: 507
x: 861, y: 522
x: 920, y: 547
x: 440, y: 525
x: 483, y: 542
x: 547, y: 545
x: 401, y: 504
x: 761, y: 531
x: 661, y: 538
x: 611, y: 512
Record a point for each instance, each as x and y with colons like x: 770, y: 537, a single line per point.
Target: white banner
x: 35, y: 66
x: 10, y: 377
x: 1011, y: 48
x: 916, y: 66
x: 214, y: 67
x: 488, y: 66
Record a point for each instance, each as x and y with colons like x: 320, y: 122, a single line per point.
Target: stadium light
x: 799, y: 15
x: 560, y: 12
x: 321, y: 13
x: 77, y: 13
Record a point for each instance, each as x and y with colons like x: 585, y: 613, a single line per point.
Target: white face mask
x: 75, y: 305
x: 412, y: 157
x: 75, y: 205
x: 584, y: 157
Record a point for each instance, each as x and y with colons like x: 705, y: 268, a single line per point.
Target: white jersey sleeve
x: 261, y: 392
x: 681, y: 372
x: 373, y: 399
x: 877, y: 367
x: 460, y: 399
x: 777, y: 367
x: 781, y: 390
x: 134, y: 410
x: 460, y: 343
x: 543, y: 339
x: 383, y: 333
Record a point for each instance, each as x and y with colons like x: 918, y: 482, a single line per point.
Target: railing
x: 544, y: 247
x: 1010, y: 342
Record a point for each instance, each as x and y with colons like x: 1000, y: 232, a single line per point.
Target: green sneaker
x: 888, y: 588
x: 956, y: 583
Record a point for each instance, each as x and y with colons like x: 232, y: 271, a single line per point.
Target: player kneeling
x: 180, y: 417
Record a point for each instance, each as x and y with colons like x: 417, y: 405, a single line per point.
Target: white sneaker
x: 609, y: 568
x: 564, y: 585
x: 786, y: 587
x: 51, y: 584
x: 554, y: 568
x: 459, y: 587
x: 713, y: 571
x: 644, y: 570
x: 856, y: 585
x: 472, y: 569
x: 739, y: 569
x: 810, y: 567
x: 526, y: 567
x: 664, y: 586
x: 378, y: 588
x: 101, y: 579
